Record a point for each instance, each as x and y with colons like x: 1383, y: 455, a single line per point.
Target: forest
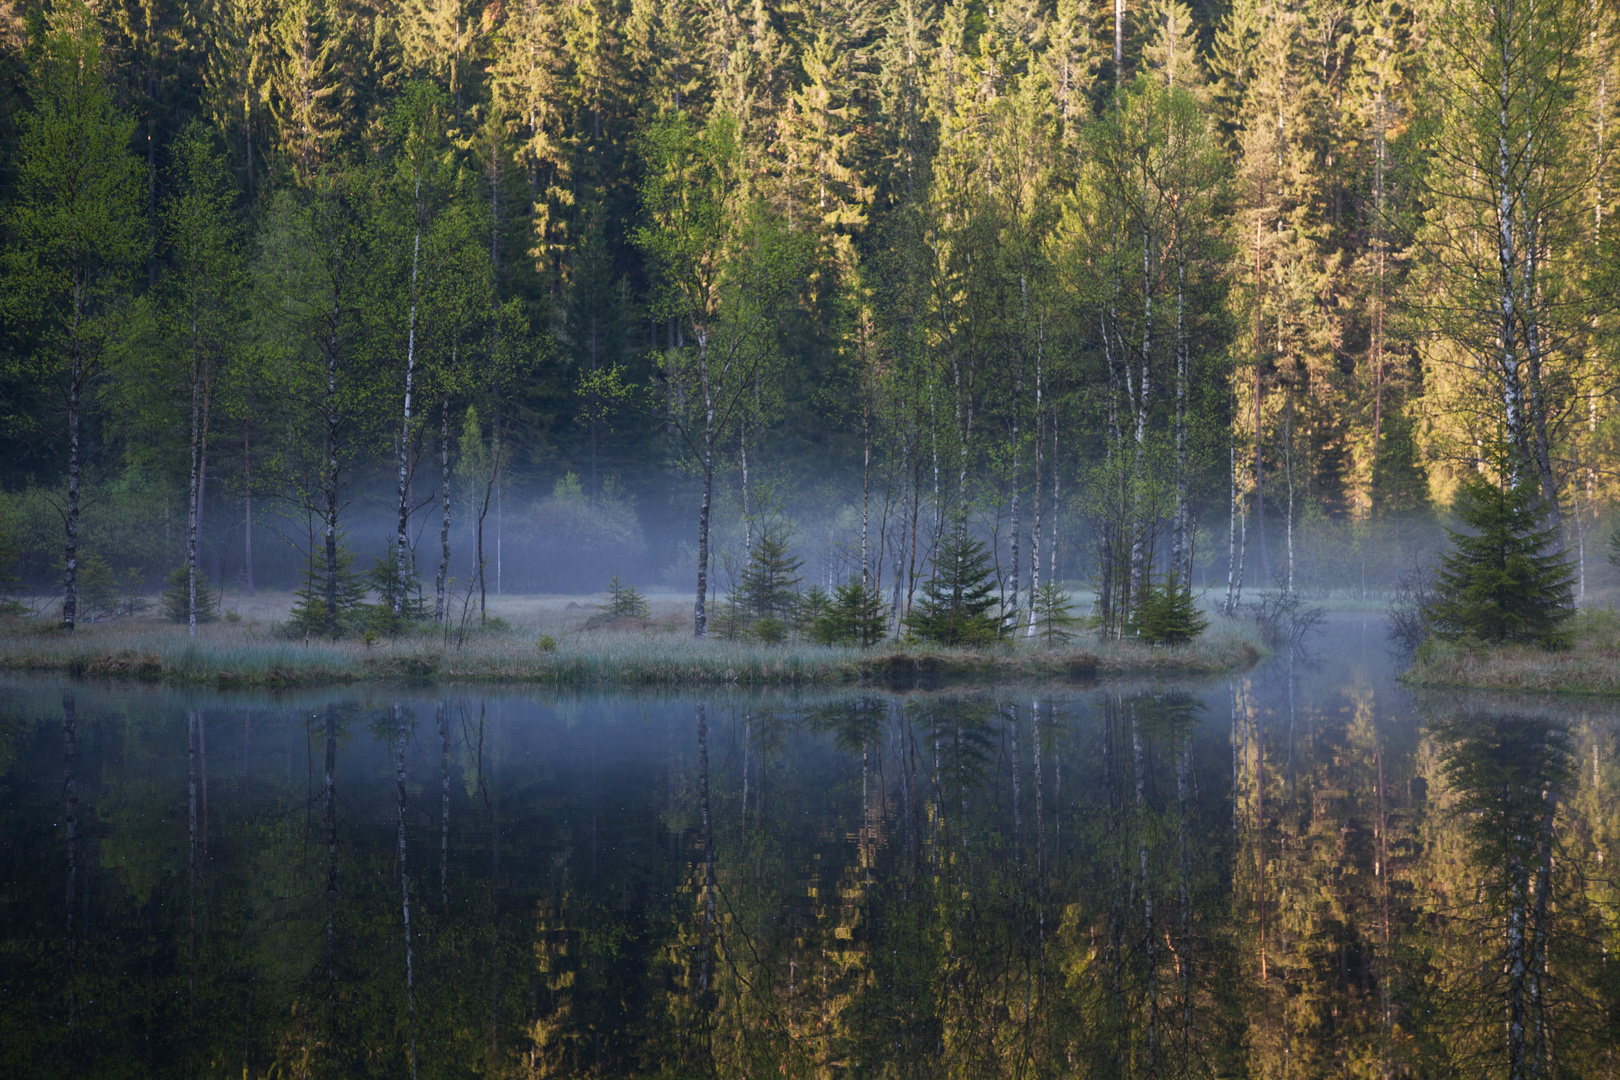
x: 519, y: 297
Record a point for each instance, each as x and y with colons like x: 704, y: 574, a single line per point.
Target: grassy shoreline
x: 1590, y: 667
x: 249, y: 655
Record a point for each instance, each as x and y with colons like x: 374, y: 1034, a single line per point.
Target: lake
x: 1302, y: 871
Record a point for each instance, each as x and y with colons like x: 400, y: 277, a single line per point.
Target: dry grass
x: 1591, y: 666
x: 659, y: 652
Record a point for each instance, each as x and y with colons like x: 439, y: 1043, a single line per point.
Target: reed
x: 252, y: 656
x: 1590, y: 666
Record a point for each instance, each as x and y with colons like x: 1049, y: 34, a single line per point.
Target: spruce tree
x: 855, y: 616
x: 309, y: 615
x: 624, y: 601
x: 958, y: 603
x: 1506, y: 581
x: 177, y: 603
x: 771, y: 580
x: 1054, y: 615
x: 1169, y: 615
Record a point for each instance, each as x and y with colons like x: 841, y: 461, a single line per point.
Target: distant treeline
x: 1220, y: 297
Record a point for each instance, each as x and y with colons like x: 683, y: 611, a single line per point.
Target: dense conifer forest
x: 523, y: 296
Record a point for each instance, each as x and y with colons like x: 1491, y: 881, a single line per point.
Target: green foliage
x: 1506, y: 581
x: 958, y: 604
x: 770, y: 582
x: 177, y: 598
x: 10, y: 558
x: 624, y: 601
x: 1054, y: 615
x: 1168, y: 614
x: 856, y: 616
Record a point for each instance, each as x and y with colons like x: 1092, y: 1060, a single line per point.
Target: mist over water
x: 1300, y: 863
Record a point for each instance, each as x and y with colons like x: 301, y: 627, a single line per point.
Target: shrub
x: 1507, y: 582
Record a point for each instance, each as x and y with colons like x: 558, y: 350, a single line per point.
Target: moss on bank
x: 1590, y: 666
x: 231, y: 659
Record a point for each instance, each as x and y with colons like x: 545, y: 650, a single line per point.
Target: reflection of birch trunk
x: 1017, y: 794
x: 1040, y: 834
x: 444, y: 808
x: 70, y: 797
x: 329, y: 808
x: 405, y: 881
x: 1149, y: 945
x: 1385, y: 972
x: 191, y: 865
x: 708, y: 848
x: 1184, y: 872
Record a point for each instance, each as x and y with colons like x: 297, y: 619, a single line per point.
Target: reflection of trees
x: 924, y: 886
x: 1516, y: 969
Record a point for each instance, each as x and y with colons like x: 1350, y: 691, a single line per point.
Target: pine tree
x: 1507, y: 581
x: 958, y: 602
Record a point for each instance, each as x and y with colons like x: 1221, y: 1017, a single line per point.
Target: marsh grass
x: 1590, y: 666
x: 544, y: 641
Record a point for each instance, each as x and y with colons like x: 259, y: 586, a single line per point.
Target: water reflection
x: 1299, y: 872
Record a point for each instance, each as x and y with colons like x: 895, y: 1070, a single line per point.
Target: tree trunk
x: 70, y: 544
x: 193, y: 504
x: 1035, y: 490
x: 247, y: 506
x: 329, y: 486
x: 700, y: 615
x: 1181, y: 548
x: 441, y: 610
x: 402, y: 541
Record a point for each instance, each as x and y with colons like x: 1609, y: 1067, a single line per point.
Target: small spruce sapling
x: 1169, y: 615
x: 958, y: 605
x: 1506, y: 581
x: 1054, y: 615
x: 624, y: 601
x: 177, y: 597
x: 770, y: 581
x: 855, y: 616
x: 308, y: 615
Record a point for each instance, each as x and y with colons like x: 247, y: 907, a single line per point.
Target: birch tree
x: 75, y: 239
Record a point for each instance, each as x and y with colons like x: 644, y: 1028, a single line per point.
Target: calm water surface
x: 1303, y: 871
